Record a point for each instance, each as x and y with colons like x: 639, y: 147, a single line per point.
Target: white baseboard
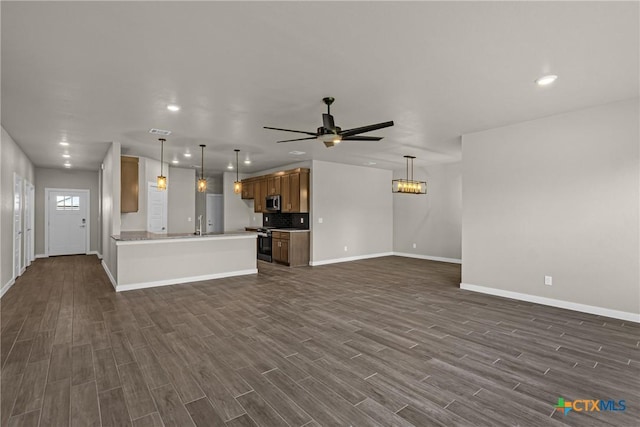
x: 428, y: 257
x: 96, y: 253
x: 584, y: 308
x: 180, y: 280
x: 22, y: 270
x: 42, y: 256
x: 106, y: 269
x: 6, y: 287
x: 351, y: 258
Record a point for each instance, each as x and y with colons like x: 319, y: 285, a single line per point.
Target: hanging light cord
x: 202, y: 163
x: 161, y: 154
x: 236, y: 150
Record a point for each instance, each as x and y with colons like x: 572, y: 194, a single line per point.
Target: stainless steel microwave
x: 272, y: 203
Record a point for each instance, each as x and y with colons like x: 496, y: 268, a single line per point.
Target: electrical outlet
x: 319, y: 220
x: 345, y: 249
x: 266, y: 219
x: 301, y: 220
x: 548, y: 280
x: 189, y: 219
x: 414, y: 246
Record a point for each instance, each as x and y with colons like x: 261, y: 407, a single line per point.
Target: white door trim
x: 47, y: 191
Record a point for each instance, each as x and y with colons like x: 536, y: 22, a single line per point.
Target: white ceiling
x: 94, y: 72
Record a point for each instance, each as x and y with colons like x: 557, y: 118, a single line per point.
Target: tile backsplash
x: 286, y: 220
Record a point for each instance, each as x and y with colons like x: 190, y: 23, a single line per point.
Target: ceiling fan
x: 331, y: 134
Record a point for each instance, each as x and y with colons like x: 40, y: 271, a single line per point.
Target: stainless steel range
x: 264, y: 244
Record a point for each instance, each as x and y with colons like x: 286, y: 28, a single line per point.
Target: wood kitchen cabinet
x: 259, y: 195
x: 295, y: 191
x: 129, y: 188
x: 247, y: 188
x: 290, y: 248
x: 273, y: 186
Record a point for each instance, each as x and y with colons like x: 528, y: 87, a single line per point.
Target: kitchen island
x: 145, y: 260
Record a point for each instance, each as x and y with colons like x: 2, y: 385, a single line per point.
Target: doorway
x: 156, y: 209
x: 215, y: 213
x: 67, y: 228
x: 17, y: 225
x: 29, y: 219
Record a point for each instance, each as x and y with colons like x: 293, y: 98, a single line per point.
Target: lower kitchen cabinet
x: 290, y: 248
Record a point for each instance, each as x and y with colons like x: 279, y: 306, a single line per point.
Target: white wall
x: 12, y: 160
x: 356, y: 207
x: 110, y: 207
x: 238, y: 213
x: 65, y: 178
x: 557, y: 196
x: 181, y: 200
x: 432, y: 221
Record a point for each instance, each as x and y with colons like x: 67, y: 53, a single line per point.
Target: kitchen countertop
x: 129, y: 236
x: 290, y: 230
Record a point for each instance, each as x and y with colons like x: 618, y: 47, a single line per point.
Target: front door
x: 28, y: 223
x: 68, y: 222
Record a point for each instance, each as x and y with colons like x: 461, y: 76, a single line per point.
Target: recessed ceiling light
x: 173, y: 107
x: 64, y: 143
x: 67, y: 165
x: 175, y: 162
x: 296, y: 153
x: 247, y: 162
x: 229, y: 166
x: 546, y: 80
x: 187, y: 154
x: 66, y: 156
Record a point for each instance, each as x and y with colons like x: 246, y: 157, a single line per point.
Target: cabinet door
x: 263, y: 194
x: 294, y: 192
x: 284, y: 251
x: 285, y: 195
x: 247, y: 189
x: 258, y: 198
x: 304, y: 191
x: 276, y: 245
x: 129, y: 184
x: 273, y: 186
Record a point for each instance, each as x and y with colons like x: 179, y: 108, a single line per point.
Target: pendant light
x: 409, y: 186
x: 237, y: 185
x: 202, y: 182
x: 162, y: 180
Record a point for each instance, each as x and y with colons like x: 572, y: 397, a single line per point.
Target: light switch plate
x: 548, y: 280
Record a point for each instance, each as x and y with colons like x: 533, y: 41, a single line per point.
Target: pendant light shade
x: 162, y: 180
x: 202, y: 182
x: 237, y: 185
x: 409, y: 186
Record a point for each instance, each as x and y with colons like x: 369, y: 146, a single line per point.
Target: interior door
x: 215, y: 213
x: 68, y: 221
x: 17, y: 225
x: 156, y: 209
x: 28, y: 220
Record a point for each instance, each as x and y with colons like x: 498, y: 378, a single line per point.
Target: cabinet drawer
x: 276, y: 235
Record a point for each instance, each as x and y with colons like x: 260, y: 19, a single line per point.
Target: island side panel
x: 166, y: 262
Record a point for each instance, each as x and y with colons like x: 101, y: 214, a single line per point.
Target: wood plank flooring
x: 383, y: 342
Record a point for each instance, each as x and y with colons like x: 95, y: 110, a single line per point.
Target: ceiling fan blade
x: 363, y: 129
x: 327, y: 121
x: 290, y: 130
x: 299, y: 139
x: 361, y: 138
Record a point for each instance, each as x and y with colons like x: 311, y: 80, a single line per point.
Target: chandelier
x: 409, y: 185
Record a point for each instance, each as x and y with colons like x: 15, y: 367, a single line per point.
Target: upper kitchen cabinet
x: 291, y: 185
x: 259, y: 194
x: 247, y: 189
x: 273, y: 185
x: 294, y: 188
x: 129, y: 188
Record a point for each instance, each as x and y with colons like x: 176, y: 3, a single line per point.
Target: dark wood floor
x: 387, y: 341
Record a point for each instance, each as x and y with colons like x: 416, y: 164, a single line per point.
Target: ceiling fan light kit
x: 330, y: 134
x: 409, y: 185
